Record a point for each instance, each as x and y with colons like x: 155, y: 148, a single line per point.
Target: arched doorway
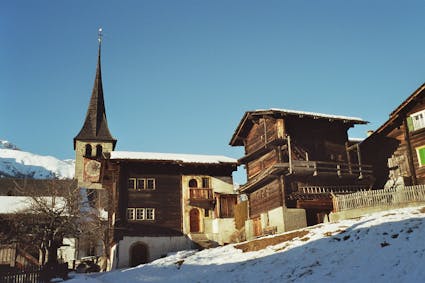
x: 194, y: 220
x: 139, y: 254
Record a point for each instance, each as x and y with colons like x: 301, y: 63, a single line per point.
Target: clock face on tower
x: 91, y: 170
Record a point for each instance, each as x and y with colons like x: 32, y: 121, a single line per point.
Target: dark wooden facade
x: 295, y: 159
x: 393, y: 148
x: 166, y: 198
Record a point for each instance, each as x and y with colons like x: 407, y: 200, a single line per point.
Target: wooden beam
x: 409, y: 152
x: 324, y: 204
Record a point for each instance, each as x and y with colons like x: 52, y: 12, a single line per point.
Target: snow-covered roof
x: 185, y: 158
x: 314, y: 114
x: 356, y: 139
x: 246, y: 121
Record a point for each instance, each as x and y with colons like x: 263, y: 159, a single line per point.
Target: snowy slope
x: 383, y: 247
x: 17, y: 163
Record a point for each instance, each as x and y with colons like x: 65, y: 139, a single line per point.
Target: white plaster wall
x: 276, y: 219
x: 157, y: 246
x: 222, y: 185
x: 294, y: 218
x: 287, y: 219
x: 223, y: 228
x: 264, y: 218
x: 67, y: 253
x: 249, y: 229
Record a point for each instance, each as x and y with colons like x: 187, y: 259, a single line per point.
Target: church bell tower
x: 94, y: 137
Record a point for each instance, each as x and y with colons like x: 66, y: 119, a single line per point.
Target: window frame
x: 418, y: 124
x: 138, y: 181
x: 131, y: 211
x: 147, y: 184
x: 140, y: 214
x: 152, y: 210
x: 206, y: 180
x: 145, y: 181
x: 134, y: 180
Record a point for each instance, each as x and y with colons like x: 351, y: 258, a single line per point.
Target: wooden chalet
x: 397, y: 148
x: 164, y: 202
x: 294, y: 160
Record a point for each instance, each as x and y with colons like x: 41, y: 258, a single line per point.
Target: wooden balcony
x: 201, y: 197
x: 201, y: 193
x: 333, y: 170
x: 316, y: 168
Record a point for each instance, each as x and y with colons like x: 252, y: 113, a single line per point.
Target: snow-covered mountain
x: 381, y: 247
x: 17, y: 163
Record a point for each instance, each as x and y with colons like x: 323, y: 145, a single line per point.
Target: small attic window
x: 88, y: 150
x: 416, y: 121
x: 193, y: 183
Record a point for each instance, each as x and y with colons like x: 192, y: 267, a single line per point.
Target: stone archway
x: 139, y: 254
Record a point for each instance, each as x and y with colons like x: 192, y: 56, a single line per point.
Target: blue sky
x: 179, y: 75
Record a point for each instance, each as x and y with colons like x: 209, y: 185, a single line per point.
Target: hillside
x: 382, y: 247
x: 20, y: 164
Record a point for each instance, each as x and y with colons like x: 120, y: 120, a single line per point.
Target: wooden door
x: 139, y: 254
x: 194, y: 220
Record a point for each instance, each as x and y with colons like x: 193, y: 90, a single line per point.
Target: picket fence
x: 377, y: 198
x: 22, y: 276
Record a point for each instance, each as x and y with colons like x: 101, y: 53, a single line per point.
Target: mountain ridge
x: 16, y: 163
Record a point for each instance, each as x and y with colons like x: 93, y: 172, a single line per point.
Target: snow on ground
x: 382, y: 247
x: 17, y: 163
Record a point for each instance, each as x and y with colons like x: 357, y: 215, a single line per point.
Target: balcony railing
x: 201, y: 194
x: 338, y: 168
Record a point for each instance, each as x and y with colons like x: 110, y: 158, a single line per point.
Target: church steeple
x: 95, y: 128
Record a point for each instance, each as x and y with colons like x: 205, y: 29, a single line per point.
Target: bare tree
x: 95, y: 223
x: 48, y: 218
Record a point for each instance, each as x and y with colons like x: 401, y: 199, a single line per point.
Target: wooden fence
x: 21, y: 276
x: 376, y: 198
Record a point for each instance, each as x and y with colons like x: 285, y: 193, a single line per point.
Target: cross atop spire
x: 100, y: 36
x: 95, y: 126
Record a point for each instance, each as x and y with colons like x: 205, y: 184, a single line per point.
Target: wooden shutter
x: 410, y: 124
x: 421, y: 154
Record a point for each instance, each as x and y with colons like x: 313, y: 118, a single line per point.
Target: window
x: 99, y: 150
x: 421, y: 155
x: 416, y: 121
x: 193, y: 183
x: 140, y: 213
x: 131, y: 213
x: 140, y: 184
x: 205, y: 182
x: 150, y: 214
x: 132, y: 183
x: 88, y: 150
x: 150, y: 184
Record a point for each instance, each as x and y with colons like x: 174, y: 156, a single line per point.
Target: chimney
x: 369, y: 133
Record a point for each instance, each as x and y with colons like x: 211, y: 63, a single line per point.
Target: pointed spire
x: 95, y: 126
